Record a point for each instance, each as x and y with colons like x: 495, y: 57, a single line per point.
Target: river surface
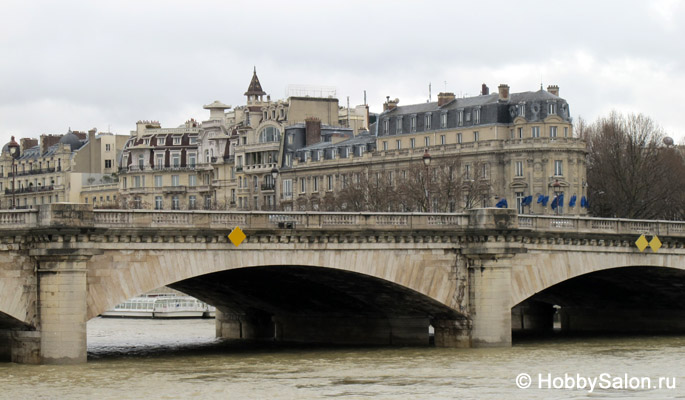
x: 181, y: 359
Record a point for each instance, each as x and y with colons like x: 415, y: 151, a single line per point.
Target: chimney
x: 48, y: 140
x: 485, y: 90
x: 390, y: 104
x: 503, y: 92
x: 91, y: 150
x: 444, y: 98
x: 553, y: 89
x: 27, y: 143
x: 312, y: 131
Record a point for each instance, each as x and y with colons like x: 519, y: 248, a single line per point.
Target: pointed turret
x: 255, y: 88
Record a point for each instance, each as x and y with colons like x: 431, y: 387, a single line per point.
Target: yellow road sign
x: 641, y: 243
x: 655, y: 244
x: 237, y: 236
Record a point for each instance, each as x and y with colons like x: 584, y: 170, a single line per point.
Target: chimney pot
x: 553, y: 89
x: 485, y: 90
x: 503, y: 92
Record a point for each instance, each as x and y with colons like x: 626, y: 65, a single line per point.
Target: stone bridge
x: 355, y: 278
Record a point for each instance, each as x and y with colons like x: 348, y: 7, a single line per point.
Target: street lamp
x: 427, y: 163
x: 13, y: 148
x: 274, y: 175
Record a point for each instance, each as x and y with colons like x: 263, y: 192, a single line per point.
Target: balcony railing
x: 30, y: 189
x: 268, y: 186
x: 35, y: 172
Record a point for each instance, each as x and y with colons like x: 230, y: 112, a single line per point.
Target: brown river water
x: 181, y: 359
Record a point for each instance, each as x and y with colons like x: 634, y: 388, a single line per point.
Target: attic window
x: 552, y: 108
x: 177, y: 140
x: 161, y: 140
x: 192, y: 140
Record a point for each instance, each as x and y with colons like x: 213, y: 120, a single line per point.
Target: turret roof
x: 255, y: 88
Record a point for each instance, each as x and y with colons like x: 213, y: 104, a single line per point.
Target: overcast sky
x: 108, y: 64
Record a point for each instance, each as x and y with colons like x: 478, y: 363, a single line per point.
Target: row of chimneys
x: 446, y: 97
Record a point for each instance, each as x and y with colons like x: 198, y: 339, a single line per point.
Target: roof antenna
x: 429, y: 92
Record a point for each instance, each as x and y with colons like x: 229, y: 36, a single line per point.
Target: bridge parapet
x: 614, y: 226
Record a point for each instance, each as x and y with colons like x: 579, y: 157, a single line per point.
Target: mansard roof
x: 255, y: 88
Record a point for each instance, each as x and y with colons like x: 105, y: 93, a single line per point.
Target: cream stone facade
x: 57, y: 167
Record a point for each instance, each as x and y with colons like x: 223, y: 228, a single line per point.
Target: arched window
x: 269, y: 134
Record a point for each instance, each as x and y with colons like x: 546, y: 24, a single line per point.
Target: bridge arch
x: 391, y: 288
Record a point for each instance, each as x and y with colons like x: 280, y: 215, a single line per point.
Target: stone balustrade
x: 347, y: 221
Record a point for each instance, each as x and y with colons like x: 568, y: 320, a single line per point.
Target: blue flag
x: 541, y: 198
x: 572, y: 202
x: 560, y: 200
x: 555, y: 202
x: 502, y: 204
x: 544, y: 201
x: 583, y: 202
x: 527, y: 200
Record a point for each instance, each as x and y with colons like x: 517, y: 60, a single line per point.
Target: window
x: 329, y: 180
x: 108, y: 163
x: 520, y: 133
x: 460, y: 117
x: 398, y: 128
x: 385, y: 146
x: 443, y: 120
x: 476, y: 116
x: 303, y: 185
x: 108, y: 147
x: 176, y: 160
x: 443, y: 140
x: 291, y: 138
x: 192, y: 140
x: 467, y: 171
x: 386, y: 126
x: 124, y: 183
x: 519, y: 202
x: 136, y: 181
x: 192, y: 180
x: 177, y: 141
x: 552, y: 131
x: 288, y: 188
x: 158, y: 202
x: 535, y: 131
x: 192, y: 201
x: 566, y: 131
x: 269, y: 134
x: 427, y: 121
x: 208, y: 202
x: 484, y: 171
x: 315, y: 181
x: 558, y: 168
x: 522, y: 109
x: 158, y: 180
x: 174, y: 203
x: 413, y: 123
x: 552, y: 108
x: 137, y: 202
x: 141, y: 161
x: 192, y: 160
x: 174, y: 180
x: 159, y: 160
x: 476, y: 136
x: 289, y: 159
x: 468, y: 117
x: 412, y: 143
x: 427, y: 141
x: 458, y: 137
x: 518, y: 168
x: 399, y: 144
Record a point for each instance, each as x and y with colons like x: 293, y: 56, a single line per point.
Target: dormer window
x: 192, y: 139
x: 460, y: 117
x: 386, y: 126
x: 413, y: 123
x: 551, y: 108
x: 161, y: 140
x: 427, y: 121
x: 522, y: 110
x: 443, y: 120
x: 398, y: 129
x: 177, y: 140
x: 476, y: 116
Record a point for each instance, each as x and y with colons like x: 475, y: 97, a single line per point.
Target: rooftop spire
x: 255, y: 88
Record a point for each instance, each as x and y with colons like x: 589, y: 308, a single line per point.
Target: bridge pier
x: 62, y: 309
x: 490, y: 296
x: 452, y: 333
x: 243, y: 326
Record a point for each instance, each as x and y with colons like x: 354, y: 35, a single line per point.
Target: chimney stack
x: 503, y: 92
x: 27, y: 143
x: 553, y: 89
x: 485, y: 90
x: 444, y: 98
x: 312, y: 131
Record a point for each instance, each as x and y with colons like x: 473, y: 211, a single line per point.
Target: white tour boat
x: 162, y: 306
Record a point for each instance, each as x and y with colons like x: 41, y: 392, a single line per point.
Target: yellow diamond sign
x: 237, y: 236
x: 655, y: 244
x: 641, y: 243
